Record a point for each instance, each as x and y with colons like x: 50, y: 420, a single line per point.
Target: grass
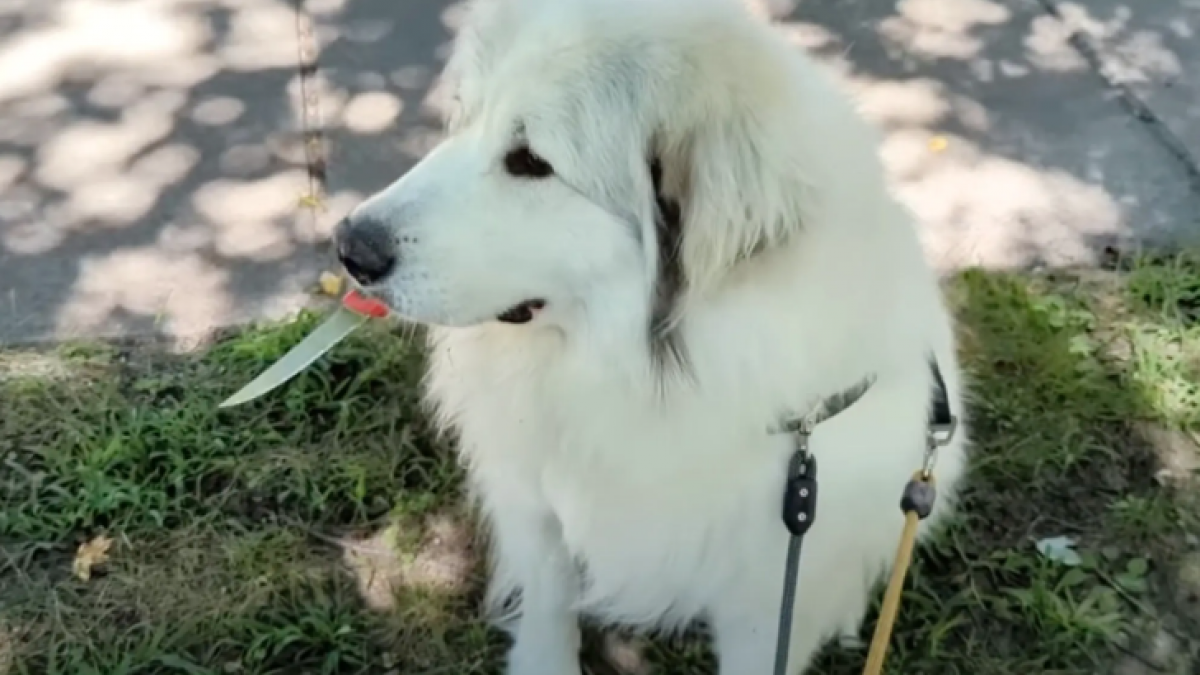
x: 320, y: 530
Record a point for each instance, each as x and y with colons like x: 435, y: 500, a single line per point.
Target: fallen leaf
x: 331, y: 284
x: 90, y: 555
x: 311, y: 201
x: 1060, y: 550
x: 938, y: 143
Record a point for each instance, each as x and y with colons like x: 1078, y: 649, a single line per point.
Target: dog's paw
x: 536, y: 666
x: 530, y: 658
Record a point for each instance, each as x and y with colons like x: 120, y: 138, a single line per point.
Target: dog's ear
x: 743, y: 195
x: 734, y: 163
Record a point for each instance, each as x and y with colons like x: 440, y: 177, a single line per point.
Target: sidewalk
x: 151, y: 165
x: 154, y: 177
x: 1001, y: 131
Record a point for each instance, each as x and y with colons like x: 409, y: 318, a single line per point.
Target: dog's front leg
x: 546, y: 639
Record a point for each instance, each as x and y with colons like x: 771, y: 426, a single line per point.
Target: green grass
x: 320, y: 530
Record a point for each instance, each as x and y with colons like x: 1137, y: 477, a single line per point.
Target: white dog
x: 654, y: 232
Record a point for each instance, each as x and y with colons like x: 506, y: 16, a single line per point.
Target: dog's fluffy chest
x: 649, y: 496
x: 644, y: 531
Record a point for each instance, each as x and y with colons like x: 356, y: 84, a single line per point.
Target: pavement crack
x: 1088, y: 48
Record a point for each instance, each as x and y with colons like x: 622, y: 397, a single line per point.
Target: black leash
x: 799, y: 510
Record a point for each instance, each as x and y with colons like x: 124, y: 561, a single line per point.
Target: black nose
x: 365, y: 249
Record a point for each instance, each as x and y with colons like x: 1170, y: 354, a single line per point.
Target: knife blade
x: 340, y: 324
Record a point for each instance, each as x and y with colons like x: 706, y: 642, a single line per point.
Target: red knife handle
x: 356, y: 302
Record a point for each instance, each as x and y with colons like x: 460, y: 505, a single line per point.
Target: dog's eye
x: 522, y: 163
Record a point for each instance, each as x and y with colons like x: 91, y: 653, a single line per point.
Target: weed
x: 318, y: 530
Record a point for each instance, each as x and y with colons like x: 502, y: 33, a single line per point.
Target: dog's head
x: 606, y: 160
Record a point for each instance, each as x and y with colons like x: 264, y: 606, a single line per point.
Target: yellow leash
x: 913, y: 514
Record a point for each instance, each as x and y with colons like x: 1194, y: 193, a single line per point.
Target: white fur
x: 802, y: 277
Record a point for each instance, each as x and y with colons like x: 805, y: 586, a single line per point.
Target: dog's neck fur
x: 667, y: 349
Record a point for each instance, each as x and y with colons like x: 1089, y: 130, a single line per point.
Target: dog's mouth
x: 522, y: 313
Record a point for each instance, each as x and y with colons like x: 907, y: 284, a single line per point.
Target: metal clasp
x: 936, y: 436
x: 797, y: 426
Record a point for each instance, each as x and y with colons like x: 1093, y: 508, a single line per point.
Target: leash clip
x: 936, y: 436
x: 800, y: 494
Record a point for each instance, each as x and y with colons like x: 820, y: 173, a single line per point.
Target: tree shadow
x: 1085, y: 419
x: 318, y: 524
x: 160, y: 163
x: 132, y: 174
x: 173, y: 166
x: 999, y: 133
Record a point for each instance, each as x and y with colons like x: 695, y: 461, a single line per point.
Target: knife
x: 354, y: 312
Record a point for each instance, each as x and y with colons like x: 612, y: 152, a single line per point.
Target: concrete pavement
x: 1001, y: 133
x: 158, y: 158
x: 151, y: 164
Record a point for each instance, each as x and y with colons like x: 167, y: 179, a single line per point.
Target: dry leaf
x: 311, y: 201
x: 89, y: 555
x: 331, y: 284
x: 939, y: 143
